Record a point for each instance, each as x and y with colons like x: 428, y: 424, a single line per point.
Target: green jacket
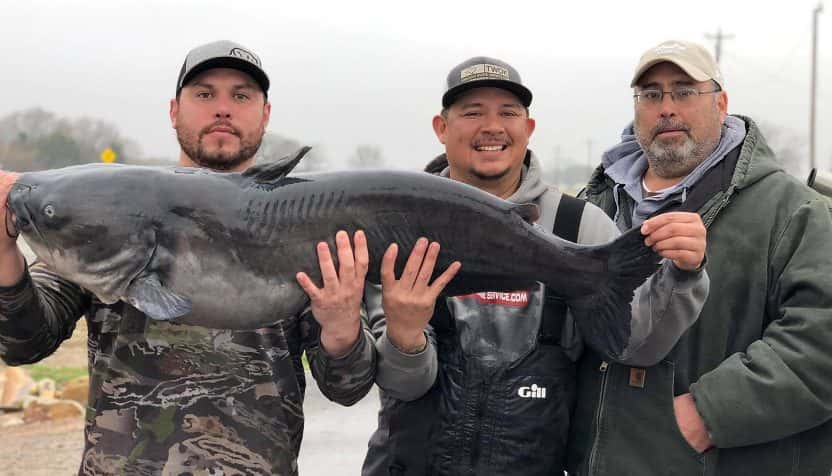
x: 759, y: 360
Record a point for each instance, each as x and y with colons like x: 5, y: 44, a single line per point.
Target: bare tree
x: 38, y: 139
x: 367, y: 157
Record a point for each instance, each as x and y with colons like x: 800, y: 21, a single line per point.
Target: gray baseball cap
x: 222, y: 54
x: 692, y: 58
x: 483, y: 72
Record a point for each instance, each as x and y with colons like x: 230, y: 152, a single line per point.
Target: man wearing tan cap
x: 746, y: 391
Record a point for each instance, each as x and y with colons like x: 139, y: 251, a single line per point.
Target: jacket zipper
x: 710, y: 216
x: 599, y: 412
x: 475, y: 450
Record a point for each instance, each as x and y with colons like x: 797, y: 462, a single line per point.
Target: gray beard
x: 671, y: 162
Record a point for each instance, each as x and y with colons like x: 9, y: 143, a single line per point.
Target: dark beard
x: 492, y: 177
x: 218, y: 161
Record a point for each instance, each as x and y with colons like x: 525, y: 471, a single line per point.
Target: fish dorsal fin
x: 528, y: 211
x: 148, y: 295
x: 272, y: 171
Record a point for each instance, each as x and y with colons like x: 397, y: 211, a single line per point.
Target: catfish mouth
x: 19, y: 220
x: 19, y: 217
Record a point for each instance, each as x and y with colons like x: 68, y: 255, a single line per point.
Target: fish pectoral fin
x: 528, y: 211
x: 271, y: 171
x: 148, y: 295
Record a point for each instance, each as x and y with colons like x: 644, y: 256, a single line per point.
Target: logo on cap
x: 245, y: 55
x: 669, y: 48
x: 483, y: 71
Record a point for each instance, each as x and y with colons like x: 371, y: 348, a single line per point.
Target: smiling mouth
x: 490, y: 148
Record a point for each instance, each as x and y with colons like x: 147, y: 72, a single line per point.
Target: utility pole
x: 813, y: 92
x: 718, y: 37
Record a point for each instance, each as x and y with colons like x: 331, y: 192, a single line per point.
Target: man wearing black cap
x: 484, y: 384
x: 176, y: 399
x: 213, y: 132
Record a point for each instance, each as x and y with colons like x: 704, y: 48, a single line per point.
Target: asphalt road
x: 335, y: 437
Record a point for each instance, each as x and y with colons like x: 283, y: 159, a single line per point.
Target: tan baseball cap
x: 694, y: 60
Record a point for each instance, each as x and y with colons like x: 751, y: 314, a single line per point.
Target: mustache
x: 490, y: 139
x: 669, y: 124
x: 223, y: 124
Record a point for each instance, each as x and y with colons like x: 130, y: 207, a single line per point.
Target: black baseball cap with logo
x: 222, y: 54
x: 483, y: 72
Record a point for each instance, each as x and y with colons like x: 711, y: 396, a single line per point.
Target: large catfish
x: 222, y: 249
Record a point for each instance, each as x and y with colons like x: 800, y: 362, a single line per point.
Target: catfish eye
x: 49, y: 211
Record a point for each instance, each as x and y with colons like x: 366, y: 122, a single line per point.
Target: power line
x: 718, y: 37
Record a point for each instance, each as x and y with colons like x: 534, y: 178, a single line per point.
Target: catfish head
x: 91, y: 224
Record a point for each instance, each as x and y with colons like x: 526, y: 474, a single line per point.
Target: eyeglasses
x: 680, y: 95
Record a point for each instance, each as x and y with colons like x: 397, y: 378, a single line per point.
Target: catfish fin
x: 148, y: 295
x: 272, y: 171
x: 605, y: 317
x: 528, y: 211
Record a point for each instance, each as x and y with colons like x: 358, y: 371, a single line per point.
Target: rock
x: 48, y: 410
x: 77, y: 389
x: 11, y: 419
x: 16, y: 386
x: 46, y: 389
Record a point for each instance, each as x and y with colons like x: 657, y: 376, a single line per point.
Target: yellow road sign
x: 108, y: 156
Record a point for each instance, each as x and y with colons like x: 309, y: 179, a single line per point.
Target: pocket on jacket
x: 638, y: 433
x: 534, y: 413
x: 667, y: 409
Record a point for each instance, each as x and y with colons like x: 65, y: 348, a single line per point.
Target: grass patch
x: 60, y: 375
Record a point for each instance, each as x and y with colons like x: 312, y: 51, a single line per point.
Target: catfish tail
x: 604, y: 317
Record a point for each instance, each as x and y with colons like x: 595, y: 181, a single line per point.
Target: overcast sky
x: 359, y: 72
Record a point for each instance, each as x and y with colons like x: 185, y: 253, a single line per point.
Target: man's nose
x: 667, y: 107
x: 223, y: 110
x: 493, y: 123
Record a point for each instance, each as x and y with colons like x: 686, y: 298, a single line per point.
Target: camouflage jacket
x: 173, y: 399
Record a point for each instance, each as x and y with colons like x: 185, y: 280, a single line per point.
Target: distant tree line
x: 36, y: 139
x: 276, y: 146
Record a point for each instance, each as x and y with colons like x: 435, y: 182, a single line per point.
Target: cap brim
x: 518, y: 90
x: 228, y: 62
x: 688, y: 68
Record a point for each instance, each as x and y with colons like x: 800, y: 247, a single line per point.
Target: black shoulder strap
x: 567, y: 223
x: 568, y: 217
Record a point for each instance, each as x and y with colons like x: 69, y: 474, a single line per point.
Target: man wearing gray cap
x: 483, y: 384
x: 746, y: 391
x: 174, y: 399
